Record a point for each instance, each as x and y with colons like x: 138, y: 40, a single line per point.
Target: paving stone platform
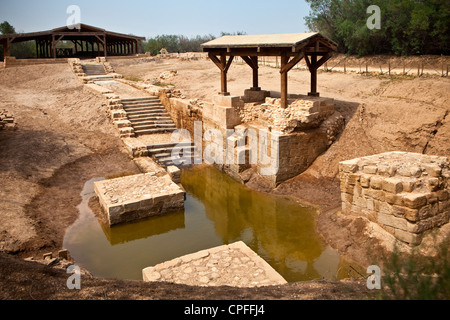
x: 139, y: 196
x: 231, y: 265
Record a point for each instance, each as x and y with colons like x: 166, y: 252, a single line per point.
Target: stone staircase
x: 95, y: 72
x: 147, y: 115
x: 162, y: 153
x: 93, y: 69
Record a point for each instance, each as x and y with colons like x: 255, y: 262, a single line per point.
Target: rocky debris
x: 167, y: 75
x: 231, y: 265
x: 301, y: 113
x: 77, y: 68
x: 7, y: 120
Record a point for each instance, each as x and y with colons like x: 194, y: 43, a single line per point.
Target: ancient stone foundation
x: 139, y: 196
x: 231, y: 265
x: 405, y: 193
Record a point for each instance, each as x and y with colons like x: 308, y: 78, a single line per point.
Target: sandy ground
x: 65, y: 138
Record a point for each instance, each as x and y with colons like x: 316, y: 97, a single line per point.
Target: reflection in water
x: 218, y: 211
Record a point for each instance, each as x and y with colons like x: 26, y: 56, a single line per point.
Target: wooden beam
x: 215, y: 60
x: 322, y: 60
x: 228, y: 64
x: 293, y: 62
x: 249, y: 61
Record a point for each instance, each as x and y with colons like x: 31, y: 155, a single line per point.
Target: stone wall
x: 405, y: 193
x: 13, y: 62
x: 298, y: 133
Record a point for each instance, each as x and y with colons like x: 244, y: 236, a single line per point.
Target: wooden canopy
x: 88, y: 40
x: 293, y: 47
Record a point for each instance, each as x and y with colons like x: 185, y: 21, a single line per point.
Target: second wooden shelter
x: 291, y: 48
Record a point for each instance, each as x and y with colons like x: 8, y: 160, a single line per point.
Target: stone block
x: 392, y: 185
x: 376, y: 182
x: 174, y: 173
x: 392, y: 221
x: 136, y: 197
x: 414, y: 200
x: 370, y: 169
x: 408, y: 237
x: 365, y: 180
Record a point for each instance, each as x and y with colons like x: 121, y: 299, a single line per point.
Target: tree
x: 407, y: 26
x: 6, y: 28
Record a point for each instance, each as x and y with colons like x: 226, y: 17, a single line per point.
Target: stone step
x: 168, y: 161
x: 140, y: 105
x: 168, y: 145
x: 154, y: 126
x: 152, y: 131
x: 168, y: 151
x: 145, y: 122
x: 152, y: 118
x: 142, y: 117
x: 93, y: 69
x: 156, y: 108
x: 138, y: 100
x: 146, y: 112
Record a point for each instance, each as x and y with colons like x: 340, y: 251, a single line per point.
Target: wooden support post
x: 53, y: 46
x: 223, y: 76
x: 284, y: 80
x: 255, y: 73
x: 7, y: 47
x: 105, y: 46
x: 313, y: 71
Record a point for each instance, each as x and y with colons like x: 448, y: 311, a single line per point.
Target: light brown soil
x: 65, y: 138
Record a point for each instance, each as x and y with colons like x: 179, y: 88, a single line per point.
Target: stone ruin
x: 298, y: 133
x: 137, y: 197
x: 7, y: 121
x: 405, y: 193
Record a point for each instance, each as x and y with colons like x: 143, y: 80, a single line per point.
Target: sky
x: 150, y: 18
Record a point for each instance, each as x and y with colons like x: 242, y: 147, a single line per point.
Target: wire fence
x: 398, y: 66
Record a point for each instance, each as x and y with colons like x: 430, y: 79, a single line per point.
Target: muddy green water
x: 218, y: 210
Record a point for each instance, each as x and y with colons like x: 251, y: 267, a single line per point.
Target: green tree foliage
x: 175, y: 43
x: 20, y: 50
x: 407, y: 26
x: 6, y: 28
x: 414, y: 277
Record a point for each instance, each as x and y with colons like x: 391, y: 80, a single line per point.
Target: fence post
x: 345, y: 69
x: 389, y: 66
x: 367, y: 68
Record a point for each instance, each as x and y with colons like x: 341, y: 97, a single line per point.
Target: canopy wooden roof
x: 47, y: 40
x: 291, y: 47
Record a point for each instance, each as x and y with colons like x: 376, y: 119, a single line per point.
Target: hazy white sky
x: 148, y: 18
